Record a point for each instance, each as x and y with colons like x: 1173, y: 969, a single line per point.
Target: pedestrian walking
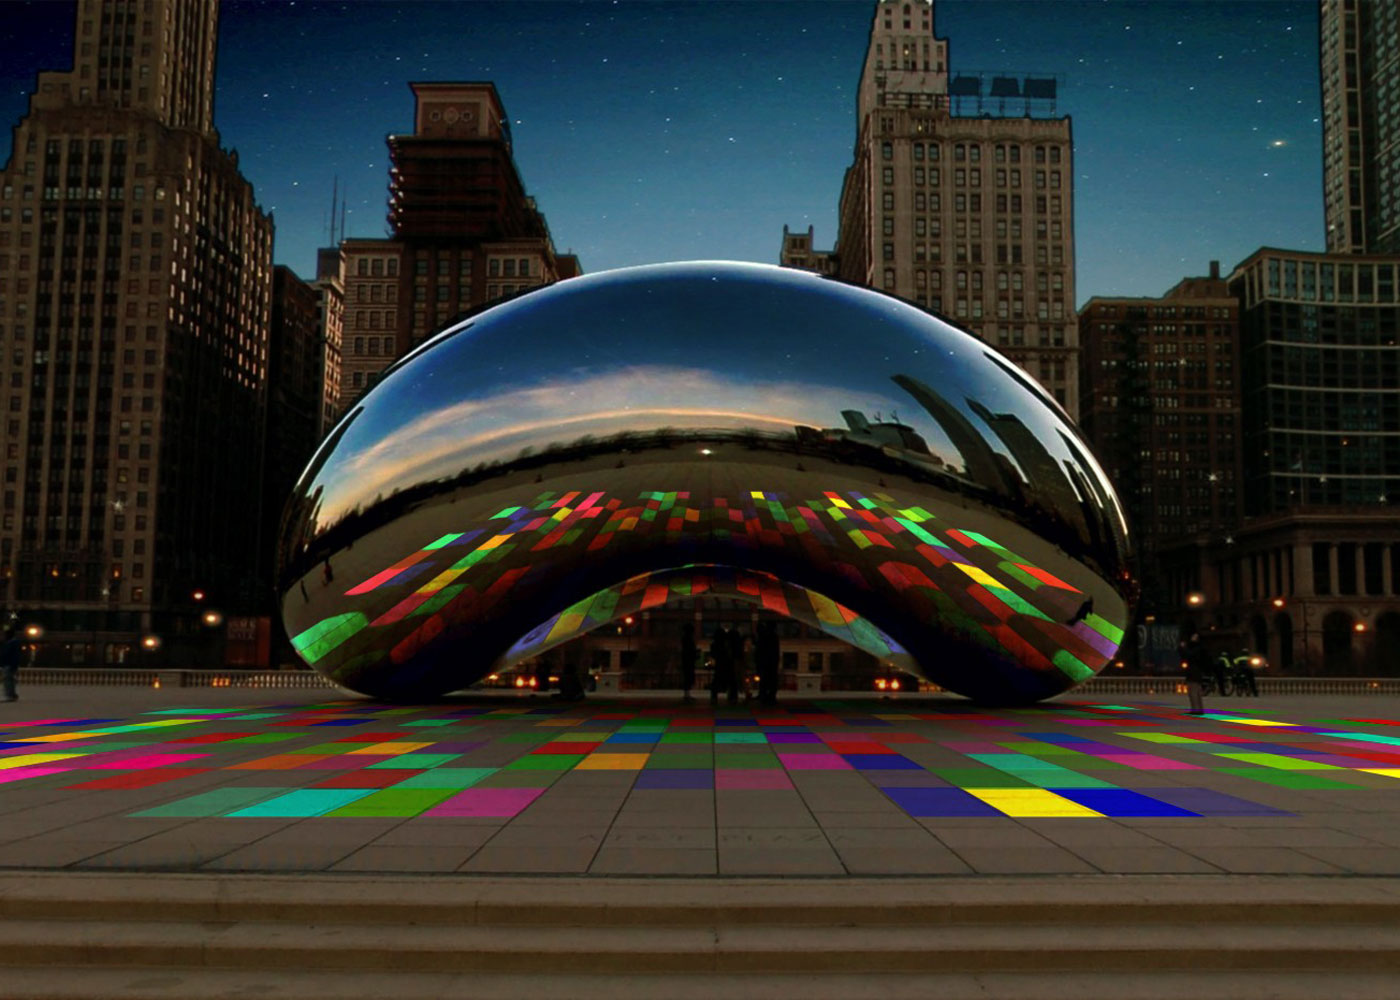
x: 9, y: 663
x: 1195, y: 658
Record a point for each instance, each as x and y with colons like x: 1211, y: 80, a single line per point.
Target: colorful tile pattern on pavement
x: 495, y: 757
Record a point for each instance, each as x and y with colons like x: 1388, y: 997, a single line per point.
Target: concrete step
x: 642, y: 902
x: 671, y: 950
x: 223, y: 984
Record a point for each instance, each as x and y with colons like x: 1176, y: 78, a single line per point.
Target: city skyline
x: 711, y: 126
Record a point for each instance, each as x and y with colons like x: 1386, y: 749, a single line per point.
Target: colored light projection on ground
x: 958, y: 578
x: 497, y: 756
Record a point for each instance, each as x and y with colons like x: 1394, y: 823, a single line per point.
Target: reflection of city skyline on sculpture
x: 717, y: 380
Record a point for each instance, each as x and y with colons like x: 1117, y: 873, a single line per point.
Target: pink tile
x: 20, y: 773
x: 751, y: 778
x: 503, y: 802
x: 814, y: 762
x: 143, y: 761
x: 1149, y: 762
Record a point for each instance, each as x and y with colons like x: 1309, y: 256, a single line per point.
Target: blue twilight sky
x: 653, y: 131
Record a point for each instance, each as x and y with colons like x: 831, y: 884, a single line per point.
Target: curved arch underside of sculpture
x: 625, y: 436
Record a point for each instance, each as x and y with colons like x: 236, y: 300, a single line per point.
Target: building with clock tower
x: 463, y: 232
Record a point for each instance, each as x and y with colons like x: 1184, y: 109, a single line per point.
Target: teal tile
x: 304, y: 802
x: 212, y: 803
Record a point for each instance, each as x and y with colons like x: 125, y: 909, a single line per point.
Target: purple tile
x: 663, y: 777
x: 502, y: 802
x: 794, y: 738
x: 881, y: 762
x: 814, y: 762
x: 939, y: 802
x: 907, y: 779
x: 1208, y: 802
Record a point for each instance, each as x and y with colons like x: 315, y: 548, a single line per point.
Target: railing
x: 308, y: 680
x: 109, y: 676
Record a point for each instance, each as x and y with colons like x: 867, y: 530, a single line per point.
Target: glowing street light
x: 1195, y: 599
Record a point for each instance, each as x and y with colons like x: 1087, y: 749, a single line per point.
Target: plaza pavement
x: 218, y: 780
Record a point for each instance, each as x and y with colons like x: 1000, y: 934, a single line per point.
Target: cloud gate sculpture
x: 625, y: 439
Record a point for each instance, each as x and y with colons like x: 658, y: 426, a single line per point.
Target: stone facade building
x: 135, y: 297
x: 960, y: 197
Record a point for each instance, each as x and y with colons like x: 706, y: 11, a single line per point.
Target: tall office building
x: 464, y: 232
x: 961, y: 197
x: 1360, y: 62
x: 135, y: 274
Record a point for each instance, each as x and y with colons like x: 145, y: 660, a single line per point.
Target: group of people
x: 1220, y: 672
x: 728, y: 660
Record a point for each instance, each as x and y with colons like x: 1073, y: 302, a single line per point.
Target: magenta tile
x: 20, y: 773
x: 814, y: 762
x: 503, y: 802
x: 140, y: 761
x: 1149, y: 762
x: 751, y: 778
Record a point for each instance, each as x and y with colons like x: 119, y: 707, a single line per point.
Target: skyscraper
x: 135, y: 279
x: 1360, y: 65
x: 960, y: 197
x: 464, y: 232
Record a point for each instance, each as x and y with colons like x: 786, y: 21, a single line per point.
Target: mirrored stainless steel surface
x: 501, y: 480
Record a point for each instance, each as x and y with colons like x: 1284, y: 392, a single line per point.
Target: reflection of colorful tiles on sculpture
x: 976, y: 586
x: 495, y: 757
x: 651, y: 590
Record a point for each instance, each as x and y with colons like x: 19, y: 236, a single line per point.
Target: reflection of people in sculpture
x: 722, y: 655
x: 766, y: 655
x: 687, y: 659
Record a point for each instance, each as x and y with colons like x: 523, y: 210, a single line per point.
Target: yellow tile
x: 895, y: 718
x: 57, y: 738
x: 1388, y: 772
x: 30, y: 759
x: 1030, y: 802
x: 1253, y: 722
x: 981, y: 576
x: 558, y: 723
x: 391, y: 748
x: 612, y: 762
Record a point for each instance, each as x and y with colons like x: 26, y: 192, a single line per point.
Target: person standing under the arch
x: 722, y: 656
x: 687, y: 660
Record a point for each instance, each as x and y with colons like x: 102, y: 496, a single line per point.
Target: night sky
x: 653, y: 131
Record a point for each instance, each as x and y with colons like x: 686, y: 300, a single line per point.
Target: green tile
x: 266, y: 738
x: 1280, y: 761
x: 429, y: 722
x: 212, y: 803
x: 545, y: 762
x: 683, y: 760
x: 1285, y: 779
x: 740, y: 738
x: 455, y: 778
x: 1063, y: 778
x: 414, y: 761
x: 766, y: 761
x: 1162, y: 738
x: 303, y: 802
x: 395, y: 802
x: 255, y: 715
x: 573, y: 736
x: 980, y: 777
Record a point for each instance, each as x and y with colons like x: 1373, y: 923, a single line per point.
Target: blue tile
x: 1121, y: 802
x: 939, y: 802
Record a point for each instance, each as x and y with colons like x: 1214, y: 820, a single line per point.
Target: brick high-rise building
x: 1160, y: 403
x: 135, y: 274
x: 464, y: 232
x: 961, y: 197
x: 1360, y: 63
